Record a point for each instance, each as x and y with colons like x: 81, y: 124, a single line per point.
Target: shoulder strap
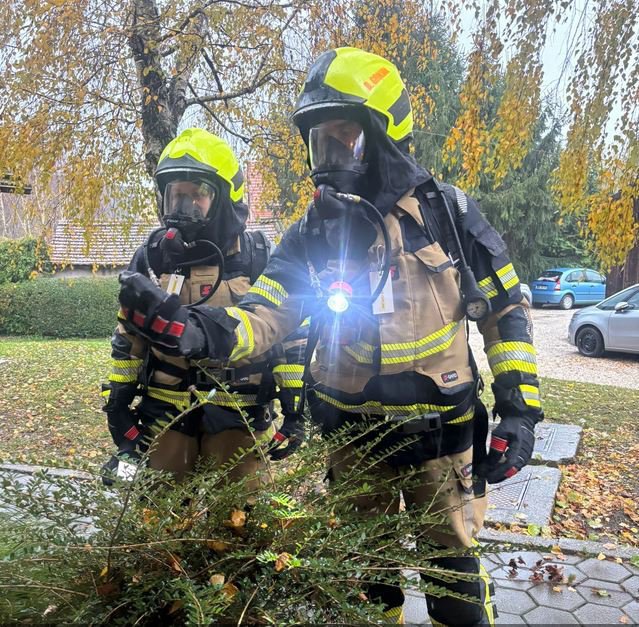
x: 260, y: 252
x: 436, y: 194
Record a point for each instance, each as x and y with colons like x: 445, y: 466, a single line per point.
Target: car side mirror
x: 622, y: 306
x: 603, y: 281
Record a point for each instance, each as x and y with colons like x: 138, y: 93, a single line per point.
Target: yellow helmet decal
x: 377, y: 81
x: 210, y: 150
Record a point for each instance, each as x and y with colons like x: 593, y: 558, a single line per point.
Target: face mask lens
x: 336, y: 144
x: 191, y: 200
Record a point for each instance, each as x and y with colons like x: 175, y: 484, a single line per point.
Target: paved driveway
x: 557, y: 358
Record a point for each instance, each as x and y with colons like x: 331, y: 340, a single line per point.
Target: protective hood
x: 392, y: 171
x: 226, y: 224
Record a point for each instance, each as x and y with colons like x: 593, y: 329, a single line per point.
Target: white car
x: 611, y: 325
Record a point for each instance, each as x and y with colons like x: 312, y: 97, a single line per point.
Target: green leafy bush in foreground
x: 154, y: 551
x: 60, y: 308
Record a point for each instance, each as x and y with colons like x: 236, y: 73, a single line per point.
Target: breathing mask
x: 188, y: 206
x: 336, y: 151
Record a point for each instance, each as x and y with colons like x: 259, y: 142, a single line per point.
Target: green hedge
x: 53, y: 307
x: 20, y: 257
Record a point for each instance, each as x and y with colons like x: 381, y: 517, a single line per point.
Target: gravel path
x: 559, y: 359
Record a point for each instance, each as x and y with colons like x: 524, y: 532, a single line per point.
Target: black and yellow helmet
x: 346, y: 77
x: 196, y: 153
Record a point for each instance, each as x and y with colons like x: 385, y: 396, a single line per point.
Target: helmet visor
x: 336, y: 144
x: 188, y: 200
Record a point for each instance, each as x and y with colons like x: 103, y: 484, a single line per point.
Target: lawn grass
x: 50, y: 413
x: 50, y: 404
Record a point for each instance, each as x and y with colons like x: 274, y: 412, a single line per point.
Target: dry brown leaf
x: 609, y: 546
x: 557, y: 589
x: 571, y: 589
x: 107, y: 589
x: 556, y: 549
x: 362, y: 597
x: 175, y: 606
x: 230, y: 590
x: 618, y: 560
x: 218, y: 546
x: 282, y: 561
x: 174, y: 563
x: 217, y: 580
x: 238, y: 518
x: 624, y: 619
x: 601, y: 556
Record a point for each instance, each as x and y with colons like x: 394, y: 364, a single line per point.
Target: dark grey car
x: 611, y: 325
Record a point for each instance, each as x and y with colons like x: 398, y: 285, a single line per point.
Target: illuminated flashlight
x: 339, y: 299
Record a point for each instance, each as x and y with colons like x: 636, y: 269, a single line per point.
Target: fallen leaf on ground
x: 601, y: 556
x: 557, y: 589
x: 217, y: 580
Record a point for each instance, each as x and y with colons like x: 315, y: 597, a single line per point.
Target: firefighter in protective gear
x: 402, y: 364
x: 202, y: 187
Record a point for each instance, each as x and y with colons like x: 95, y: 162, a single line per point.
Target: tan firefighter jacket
x: 413, y: 358
x: 171, y: 384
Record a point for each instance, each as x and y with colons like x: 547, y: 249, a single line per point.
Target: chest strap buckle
x: 422, y: 423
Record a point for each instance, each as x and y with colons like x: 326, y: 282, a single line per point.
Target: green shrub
x: 19, y: 258
x: 61, y: 308
x: 154, y: 551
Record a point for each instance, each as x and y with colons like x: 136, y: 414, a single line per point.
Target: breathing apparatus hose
x: 217, y: 253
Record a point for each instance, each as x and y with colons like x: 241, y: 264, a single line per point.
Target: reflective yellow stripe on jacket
x: 244, y: 340
x: 530, y: 394
x: 269, y: 289
x: 405, y: 352
x: 375, y: 407
x: 125, y: 370
x: 289, y: 375
x: 507, y: 356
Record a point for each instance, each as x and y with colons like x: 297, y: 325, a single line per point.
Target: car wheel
x: 589, y: 342
x: 537, y: 305
x: 567, y: 301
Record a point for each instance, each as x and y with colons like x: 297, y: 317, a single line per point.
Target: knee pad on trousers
x: 448, y: 610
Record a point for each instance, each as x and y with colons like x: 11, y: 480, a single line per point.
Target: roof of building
x: 104, y: 243
x: 113, y: 243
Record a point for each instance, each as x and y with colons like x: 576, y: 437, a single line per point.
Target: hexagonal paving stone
x: 514, y: 602
x: 503, y: 581
x: 549, y: 616
x: 591, y: 614
x: 616, y: 596
x: 509, y: 619
x: 543, y: 594
x: 490, y: 562
x: 631, y: 586
x: 530, y: 557
x: 632, y: 610
x: 604, y: 569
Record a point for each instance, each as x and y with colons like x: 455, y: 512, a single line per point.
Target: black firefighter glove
x: 293, y: 430
x: 511, y: 447
x: 122, y: 465
x: 155, y: 314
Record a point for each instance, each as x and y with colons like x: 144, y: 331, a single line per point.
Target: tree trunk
x: 627, y: 274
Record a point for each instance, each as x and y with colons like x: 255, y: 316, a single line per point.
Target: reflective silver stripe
x: 181, y: 400
x: 530, y: 394
x: 270, y: 290
x: 125, y: 370
x: 508, y: 276
x: 243, y: 334
x: 487, y: 286
x: 225, y: 399
x: 375, y: 407
x: 424, y: 347
x: 288, y: 376
x: 505, y: 356
x: 361, y: 352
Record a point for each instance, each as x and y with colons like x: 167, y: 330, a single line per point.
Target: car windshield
x: 550, y: 275
x: 624, y: 295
